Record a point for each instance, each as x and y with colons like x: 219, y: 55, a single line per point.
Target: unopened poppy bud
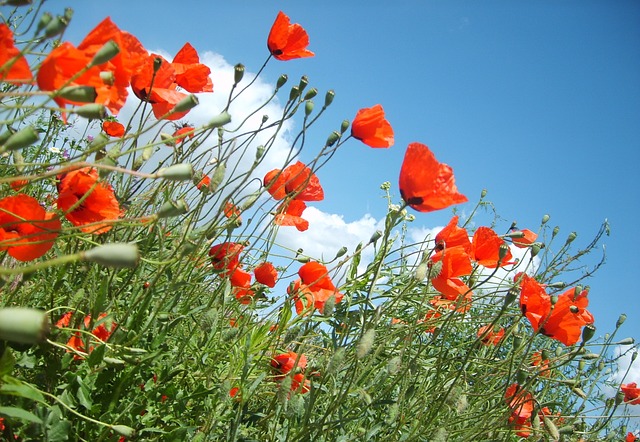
x: 55, y: 26
x: 259, y: 153
x: 308, y: 108
x: 304, y: 81
x: 123, y: 430
x: 587, y: 332
x: 23, y: 325
x: 220, y: 120
x: 483, y: 193
x: 554, y: 299
x: 557, y: 285
x: 366, y: 343
x: 574, y: 309
x: 511, y: 296
x: 341, y: 252
x: 45, y: 19
x: 545, y: 354
x: 218, y: 176
x: 265, y: 118
x: 105, y: 53
x: 173, y: 208
x: 558, y: 352
x: 281, y: 81
x: 571, y: 237
x: 517, y: 341
x: 118, y: 255
x: 344, y: 126
x: 303, y: 259
x: 535, y: 248
x: 376, y: 236
x: 619, y: 397
x: 328, y: 97
x: 567, y: 429
x: 555, y: 231
x: 551, y: 427
x: 434, y: 269
x: 502, y: 251
x: 80, y: 94
x: 545, y: 218
x: 634, y: 355
x: 333, y: 137
x: 577, y: 290
x: 167, y: 139
x: 238, y: 73
x: 621, y: 319
x: 590, y: 356
x: 93, y: 111
x: 329, y: 306
x: 601, y: 365
x: 25, y: 137
x: 521, y: 377
x: 421, y: 271
x: 311, y: 93
x: 108, y: 78
x: 186, y: 104
x: 177, y: 172
x: 294, y: 93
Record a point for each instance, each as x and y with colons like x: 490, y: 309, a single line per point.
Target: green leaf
x: 96, y: 356
x: 84, y: 396
x: 7, y: 362
x: 15, y: 387
x: 19, y: 413
x: 58, y: 431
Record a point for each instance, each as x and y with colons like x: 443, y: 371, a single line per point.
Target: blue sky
x: 537, y: 102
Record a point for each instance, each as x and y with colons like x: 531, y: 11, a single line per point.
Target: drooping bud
x: 186, y: 104
x: 238, y: 73
x: 117, y: 255
x: 587, y: 332
x: 80, y: 94
x: 344, y: 126
x: 333, y: 137
x: 281, y: 81
x: 435, y: 269
x: 105, y: 53
x: 177, y: 172
x: 23, y: 325
x: 25, y: 137
x: 328, y: 97
x: 93, y: 111
x: 173, y: 208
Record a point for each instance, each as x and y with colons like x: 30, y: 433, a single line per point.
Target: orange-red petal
x: 287, y: 41
x: 371, y: 127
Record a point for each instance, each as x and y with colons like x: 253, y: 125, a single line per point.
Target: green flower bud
x: 80, y: 94
x: 421, y: 271
x: 177, y: 172
x: 238, y: 73
x: 558, y: 352
x: 555, y: 231
x: 265, y: 118
x: 105, y: 53
x: 502, y: 251
x: 91, y: 111
x: 117, y: 255
x: 554, y: 299
x: 344, y: 126
x: 259, y: 153
x: 535, y: 248
x: 375, y: 237
x: 281, y: 81
x: 333, y: 137
x: 511, y: 296
x: 557, y: 285
x: 341, y: 252
x: 483, y: 193
x: 521, y: 377
x: 18, y: 3
x: 304, y: 81
x: 294, y: 93
x: 366, y: 343
x: 621, y: 319
x: 311, y: 93
x: 328, y: 98
x: 329, y: 306
x: 545, y: 218
x: 186, y: 104
x: 55, y: 26
x: 308, y: 108
x: 25, y: 137
x: 108, y: 78
x: 43, y: 22
x: 123, y: 430
x: 434, y: 269
x: 619, y: 397
x: 173, y: 208
x: 571, y: 237
x: 23, y: 325
x: 220, y: 120
x: 587, y: 332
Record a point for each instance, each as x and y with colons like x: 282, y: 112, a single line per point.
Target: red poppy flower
x: 27, y: 231
x: 300, y: 383
x: 314, y: 288
x: 287, y: 41
x: 109, y: 79
x: 102, y: 333
x: 18, y: 185
x: 14, y: 68
x: 455, y: 263
x: 425, y: 184
x: 290, y: 214
x: 452, y: 236
x: 541, y: 364
x: 266, y: 274
x: 181, y: 134
x: 234, y: 392
x: 631, y: 393
x: 113, y: 128
x: 86, y: 201
x: 528, y: 238
x: 231, y: 210
x: 283, y: 363
x: 370, y: 127
x: 226, y: 256
x: 562, y: 321
x: 159, y: 86
x: 296, y: 181
x: 203, y: 184
x: 2, y: 427
x: 630, y: 437
x: 485, y: 249
x: 521, y: 403
x: 489, y: 336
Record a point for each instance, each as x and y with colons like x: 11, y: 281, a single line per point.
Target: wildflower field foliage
x: 144, y: 293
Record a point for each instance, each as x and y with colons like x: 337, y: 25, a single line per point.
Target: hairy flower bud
x: 93, y: 111
x: 80, y: 94
x: 23, y: 325
x: 105, y: 53
x: 118, y: 255
x: 173, y: 208
x: 333, y: 137
x: 308, y: 108
x: 366, y: 343
x: 587, y: 332
x: 177, y: 172
x: 186, y: 104
x: 25, y: 137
